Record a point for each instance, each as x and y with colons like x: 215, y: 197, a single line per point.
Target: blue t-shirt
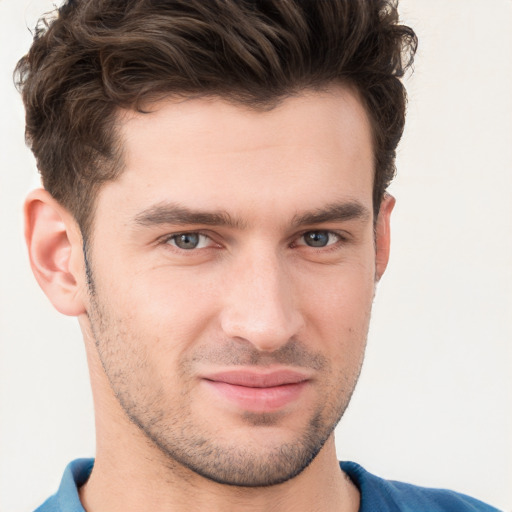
x: 377, y: 494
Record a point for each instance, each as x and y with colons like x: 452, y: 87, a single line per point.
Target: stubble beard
x: 184, y: 444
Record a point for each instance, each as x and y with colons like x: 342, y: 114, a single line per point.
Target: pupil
x: 187, y: 241
x: 317, y: 238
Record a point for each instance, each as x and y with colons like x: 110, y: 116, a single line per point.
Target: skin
x: 260, y: 192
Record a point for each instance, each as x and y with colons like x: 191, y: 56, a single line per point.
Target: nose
x: 260, y: 306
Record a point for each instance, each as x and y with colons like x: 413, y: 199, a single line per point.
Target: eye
x: 318, y: 238
x: 189, y: 241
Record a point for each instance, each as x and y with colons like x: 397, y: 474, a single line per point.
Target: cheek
x: 169, y: 308
x: 342, y: 297
x: 337, y: 313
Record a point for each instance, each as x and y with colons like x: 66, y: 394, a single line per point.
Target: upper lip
x: 257, y: 378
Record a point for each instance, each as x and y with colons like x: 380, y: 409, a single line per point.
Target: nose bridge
x: 260, y: 306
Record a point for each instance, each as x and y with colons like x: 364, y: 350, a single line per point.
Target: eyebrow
x: 334, y: 212
x: 175, y: 214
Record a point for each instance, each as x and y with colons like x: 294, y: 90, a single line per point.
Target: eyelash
x: 340, y: 238
x: 330, y: 246
x: 170, y: 238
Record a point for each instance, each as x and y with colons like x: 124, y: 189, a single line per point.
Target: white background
x: 434, y: 404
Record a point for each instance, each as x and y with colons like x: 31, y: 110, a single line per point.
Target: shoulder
x: 66, y: 499
x: 388, y: 495
x: 50, y: 505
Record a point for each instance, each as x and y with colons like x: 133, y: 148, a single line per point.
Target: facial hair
x: 173, y: 426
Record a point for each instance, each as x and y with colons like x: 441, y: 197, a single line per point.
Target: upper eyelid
x: 339, y: 233
x: 323, y: 230
x: 169, y: 236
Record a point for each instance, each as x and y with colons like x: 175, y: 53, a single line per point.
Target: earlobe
x: 55, y: 251
x: 383, y: 235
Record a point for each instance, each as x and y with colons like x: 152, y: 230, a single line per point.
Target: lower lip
x: 268, y: 399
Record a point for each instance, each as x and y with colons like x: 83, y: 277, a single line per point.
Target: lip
x: 257, y: 391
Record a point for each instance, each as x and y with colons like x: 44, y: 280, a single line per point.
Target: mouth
x: 257, y: 391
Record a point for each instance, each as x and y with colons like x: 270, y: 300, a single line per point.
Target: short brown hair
x: 97, y: 56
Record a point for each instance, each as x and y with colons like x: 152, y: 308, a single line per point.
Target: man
x: 215, y: 214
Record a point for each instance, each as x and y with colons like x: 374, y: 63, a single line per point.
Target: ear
x: 382, y: 235
x: 54, y: 246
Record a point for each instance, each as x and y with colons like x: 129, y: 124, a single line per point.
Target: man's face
x: 233, y: 267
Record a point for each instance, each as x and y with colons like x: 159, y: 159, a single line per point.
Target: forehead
x: 212, y: 154
x: 214, y: 124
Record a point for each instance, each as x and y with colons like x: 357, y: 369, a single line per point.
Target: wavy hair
x: 96, y: 56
